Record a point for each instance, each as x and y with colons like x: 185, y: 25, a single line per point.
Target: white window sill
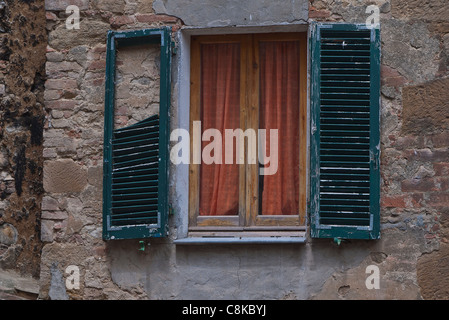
x: 239, y: 240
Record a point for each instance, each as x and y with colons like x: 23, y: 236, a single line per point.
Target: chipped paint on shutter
x: 345, y: 131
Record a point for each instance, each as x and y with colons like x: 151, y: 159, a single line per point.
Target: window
x: 249, y: 174
x: 135, y: 170
x: 248, y: 119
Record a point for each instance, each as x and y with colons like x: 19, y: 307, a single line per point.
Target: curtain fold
x: 279, y: 109
x: 220, y: 109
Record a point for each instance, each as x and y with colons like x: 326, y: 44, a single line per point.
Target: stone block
x: 435, y: 10
x: 433, y: 274
x: 47, y: 233
x: 52, y: 84
x: 145, y: 6
x: 8, y: 234
x: 426, y: 107
x: 117, y: 6
x: 95, y: 176
x: 409, y: 48
x: 65, y: 175
x: 54, y: 215
x: 90, y: 33
x: 234, y: 12
x: 61, y: 5
x: 61, y: 104
x: 49, y: 204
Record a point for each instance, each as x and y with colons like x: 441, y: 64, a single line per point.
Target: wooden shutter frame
x: 345, y: 232
x: 129, y: 38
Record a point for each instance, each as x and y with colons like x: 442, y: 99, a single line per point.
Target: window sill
x: 240, y: 240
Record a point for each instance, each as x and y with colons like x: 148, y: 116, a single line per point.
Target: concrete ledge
x: 239, y: 240
x: 213, y: 13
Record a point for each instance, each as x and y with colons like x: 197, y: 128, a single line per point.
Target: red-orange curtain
x: 279, y: 109
x: 220, y: 109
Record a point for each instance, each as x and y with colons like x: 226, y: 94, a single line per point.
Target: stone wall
x: 22, y: 73
x: 73, y: 134
x: 414, y: 134
x: 414, y: 169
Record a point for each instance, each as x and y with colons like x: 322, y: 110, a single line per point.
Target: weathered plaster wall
x: 415, y: 167
x: 22, y: 74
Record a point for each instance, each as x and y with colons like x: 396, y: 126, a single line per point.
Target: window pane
x: 220, y: 110
x: 279, y: 110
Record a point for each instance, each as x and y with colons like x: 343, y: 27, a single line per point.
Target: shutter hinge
x: 174, y: 48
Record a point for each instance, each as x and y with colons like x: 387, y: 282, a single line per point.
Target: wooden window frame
x: 248, y: 221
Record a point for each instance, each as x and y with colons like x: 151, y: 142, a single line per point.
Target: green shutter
x: 135, y: 169
x: 345, y: 145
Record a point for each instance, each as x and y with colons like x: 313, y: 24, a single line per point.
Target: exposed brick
x: 439, y: 199
x: 119, y: 21
x: 149, y: 18
x: 440, y: 140
x: 391, y: 77
x: 315, y: 13
x: 393, y: 201
x: 414, y: 200
x: 443, y: 183
x: 97, y: 65
x: 419, y: 185
x: 441, y: 169
x: 427, y: 155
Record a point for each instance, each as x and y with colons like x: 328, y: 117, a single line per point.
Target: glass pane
x: 279, y: 110
x: 220, y: 110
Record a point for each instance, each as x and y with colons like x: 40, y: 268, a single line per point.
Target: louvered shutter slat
x: 142, y: 208
x: 345, y: 108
